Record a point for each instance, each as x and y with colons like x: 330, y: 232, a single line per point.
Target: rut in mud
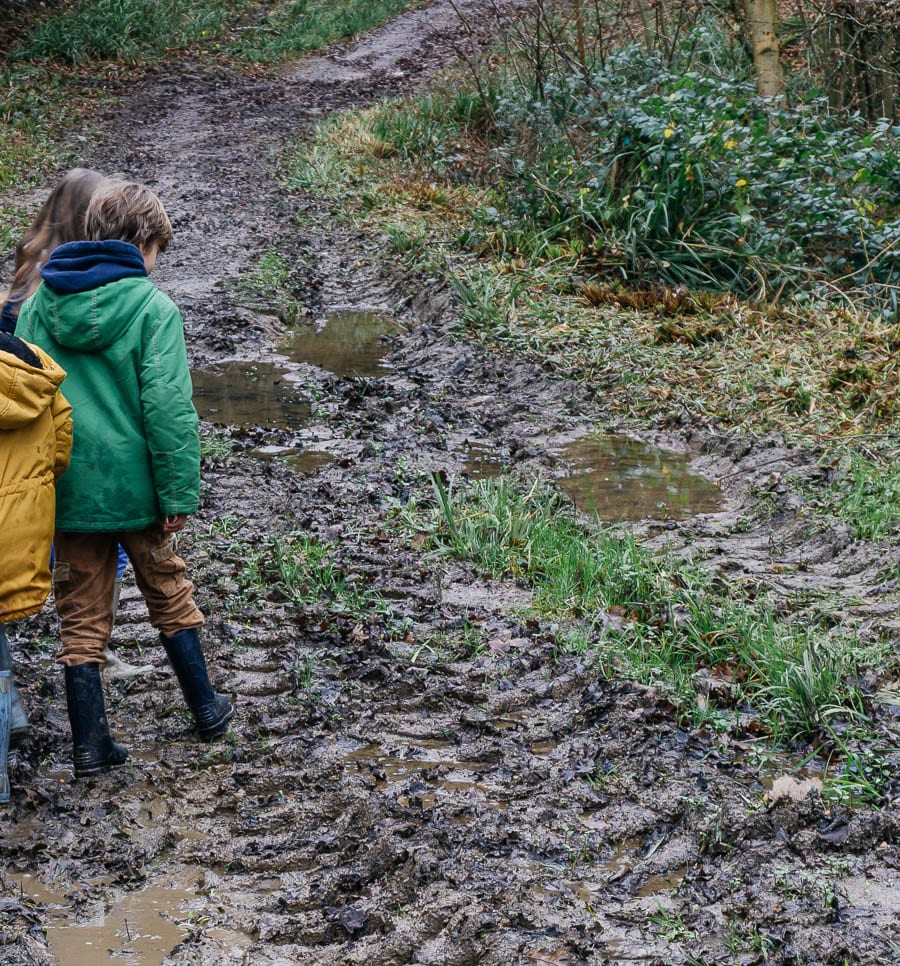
x: 379, y: 803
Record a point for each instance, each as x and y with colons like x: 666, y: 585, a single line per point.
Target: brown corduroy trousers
x: 83, y: 585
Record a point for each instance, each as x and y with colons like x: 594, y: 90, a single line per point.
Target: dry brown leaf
x: 786, y: 786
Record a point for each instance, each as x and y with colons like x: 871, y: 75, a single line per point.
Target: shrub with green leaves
x: 670, y: 169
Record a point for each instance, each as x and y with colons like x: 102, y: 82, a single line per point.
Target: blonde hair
x: 128, y: 212
x: 59, y: 220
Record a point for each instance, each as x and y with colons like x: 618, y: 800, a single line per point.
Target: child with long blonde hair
x: 59, y: 220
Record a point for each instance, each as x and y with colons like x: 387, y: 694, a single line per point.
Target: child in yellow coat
x: 35, y: 443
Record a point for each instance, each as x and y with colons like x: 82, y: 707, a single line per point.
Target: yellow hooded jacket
x: 35, y: 443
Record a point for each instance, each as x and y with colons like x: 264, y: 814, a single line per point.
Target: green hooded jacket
x: 136, y: 449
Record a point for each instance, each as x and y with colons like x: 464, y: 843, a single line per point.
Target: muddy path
x: 436, y: 783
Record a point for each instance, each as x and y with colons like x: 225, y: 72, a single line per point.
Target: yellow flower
x: 669, y: 131
x: 731, y: 143
x: 741, y: 182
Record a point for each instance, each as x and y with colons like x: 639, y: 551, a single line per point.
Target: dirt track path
x: 382, y: 803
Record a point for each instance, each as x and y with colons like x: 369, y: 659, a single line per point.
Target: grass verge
x: 727, y: 658
x: 824, y: 374
x: 673, y: 357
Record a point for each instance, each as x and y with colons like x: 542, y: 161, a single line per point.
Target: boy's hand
x: 173, y: 524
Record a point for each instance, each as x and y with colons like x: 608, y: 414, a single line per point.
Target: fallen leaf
x: 556, y: 957
x: 786, y: 786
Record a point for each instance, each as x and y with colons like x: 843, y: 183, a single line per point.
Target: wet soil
x: 438, y: 785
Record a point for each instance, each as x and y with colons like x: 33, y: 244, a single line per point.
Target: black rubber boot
x: 94, y: 750
x: 211, y: 711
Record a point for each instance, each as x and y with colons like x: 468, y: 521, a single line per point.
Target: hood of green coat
x: 91, y: 321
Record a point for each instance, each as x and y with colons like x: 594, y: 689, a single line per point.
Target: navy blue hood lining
x: 21, y: 350
x: 84, y: 265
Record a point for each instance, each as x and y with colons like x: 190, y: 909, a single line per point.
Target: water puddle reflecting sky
x: 617, y: 478
x: 350, y: 344
x: 265, y: 394
x: 249, y: 394
x: 620, y: 479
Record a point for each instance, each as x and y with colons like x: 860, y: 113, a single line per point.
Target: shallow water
x: 617, y: 478
x: 249, y: 394
x: 136, y: 930
x: 349, y: 344
x: 620, y: 479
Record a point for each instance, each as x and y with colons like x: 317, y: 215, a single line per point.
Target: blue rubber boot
x: 211, y: 711
x: 19, y: 725
x: 4, y: 734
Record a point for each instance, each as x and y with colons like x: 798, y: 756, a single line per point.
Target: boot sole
x: 99, y: 769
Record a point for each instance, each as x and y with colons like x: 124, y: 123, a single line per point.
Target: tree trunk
x: 762, y: 23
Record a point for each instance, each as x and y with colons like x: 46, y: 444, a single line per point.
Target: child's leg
x: 83, y: 584
x: 115, y: 667
x: 83, y: 579
x: 160, y: 575
x: 19, y: 725
x: 4, y: 733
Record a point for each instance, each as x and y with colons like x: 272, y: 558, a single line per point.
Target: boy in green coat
x: 121, y: 340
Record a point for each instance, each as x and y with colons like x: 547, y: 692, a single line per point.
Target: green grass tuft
x: 659, y: 619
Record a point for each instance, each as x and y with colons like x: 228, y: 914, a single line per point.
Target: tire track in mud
x: 380, y: 805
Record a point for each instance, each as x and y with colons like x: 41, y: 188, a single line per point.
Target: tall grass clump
x: 125, y: 30
x: 868, y: 496
x: 659, y: 619
x: 306, y: 571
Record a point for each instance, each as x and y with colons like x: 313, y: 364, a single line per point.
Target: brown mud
x: 398, y: 795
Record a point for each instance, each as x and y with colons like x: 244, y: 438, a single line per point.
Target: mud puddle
x: 349, y: 344
x: 617, y: 478
x: 249, y: 394
x: 303, y: 462
x: 622, y: 480
x: 265, y: 395
x: 136, y: 929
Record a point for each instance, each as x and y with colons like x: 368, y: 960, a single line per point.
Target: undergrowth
x: 294, y: 28
x: 127, y: 30
x: 867, y: 495
x: 672, y: 357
